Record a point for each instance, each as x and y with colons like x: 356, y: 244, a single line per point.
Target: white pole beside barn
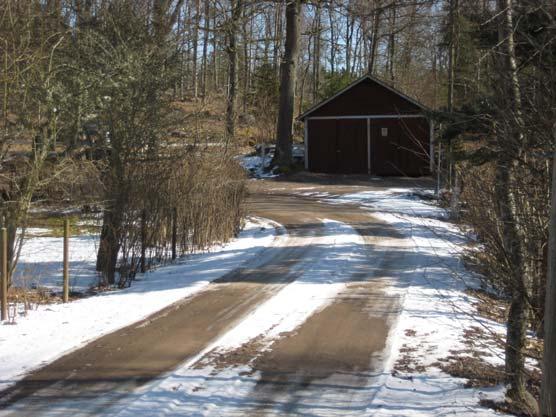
x: 306, y: 144
x: 431, y: 151
x: 369, y: 146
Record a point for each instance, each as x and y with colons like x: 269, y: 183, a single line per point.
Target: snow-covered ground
x: 257, y: 166
x: 53, y: 330
x: 436, y: 311
x: 40, y: 263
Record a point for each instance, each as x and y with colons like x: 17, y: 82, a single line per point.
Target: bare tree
x: 548, y: 392
x: 232, y: 29
x: 288, y: 69
x: 511, y: 142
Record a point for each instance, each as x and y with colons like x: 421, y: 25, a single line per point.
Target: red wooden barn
x: 368, y: 128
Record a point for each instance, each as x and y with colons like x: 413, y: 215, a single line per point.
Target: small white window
x: 384, y: 131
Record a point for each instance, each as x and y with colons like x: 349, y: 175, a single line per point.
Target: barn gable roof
x: 366, y: 77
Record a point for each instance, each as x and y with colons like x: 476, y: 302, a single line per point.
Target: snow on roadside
x: 53, y: 330
x: 202, y: 390
x: 257, y: 166
x: 436, y: 311
x: 40, y: 263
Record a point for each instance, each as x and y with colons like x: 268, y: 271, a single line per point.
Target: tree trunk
x: 196, y: 20
x: 215, y: 51
x: 333, y: 40
x: 548, y: 390
x: 392, y: 44
x: 454, y: 7
x: 247, y: 39
x: 109, y: 246
x: 316, y: 53
x: 204, y: 68
x: 283, y: 156
x: 510, y: 144
x: 374, y: 41
x: 232, y: 69
x: 277, y: 37
x: 349, y: 37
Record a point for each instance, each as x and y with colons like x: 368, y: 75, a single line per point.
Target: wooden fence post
x: 4, y: 286
x: 66, y: 260
x: 143, y: 240
x: 174, y: 233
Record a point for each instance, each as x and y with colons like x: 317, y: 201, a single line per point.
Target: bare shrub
x: 192, y: 201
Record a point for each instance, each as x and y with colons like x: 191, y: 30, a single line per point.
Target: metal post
x: 143, y: 240
x: 174, y: 233
x: 438, y: 169
x: 306, y: 137
x: 66, y: 260
x: 431, y: 150
x: 369, y: 146
x: 4, y: 289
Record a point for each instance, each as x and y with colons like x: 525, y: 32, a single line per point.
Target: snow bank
x: 258, y: 166
x: 53, y: 330
x: 436, y: 311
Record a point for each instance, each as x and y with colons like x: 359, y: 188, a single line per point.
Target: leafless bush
x: 179, y: 205
x: 480, y: 211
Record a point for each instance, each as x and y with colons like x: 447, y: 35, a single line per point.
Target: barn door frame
x: 369, y: 141
x: 306, y: 140
x: 368, y: 145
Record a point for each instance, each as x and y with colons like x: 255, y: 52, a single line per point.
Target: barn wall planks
x: 365, y: 98
x: 404, y: 149
x: 338, y: 146
x: 368, y: 128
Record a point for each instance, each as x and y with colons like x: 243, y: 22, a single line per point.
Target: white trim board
x: 306, y: 140
x: 373, y: 116
x: 368, y: 146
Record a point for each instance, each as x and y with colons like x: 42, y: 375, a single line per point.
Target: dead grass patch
x: 477, y: 371
x: 489, y: 305
x: 408, y: 362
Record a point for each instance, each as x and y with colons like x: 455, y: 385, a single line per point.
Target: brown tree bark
x: 204, y: 68
x: 392, y: 43
x: 510, y: 145
x: 333, y: 40
x: 350, y: 25
x: 277, y: 37
x: 548, y: 390
x: 374, y: 39
x: 215, y: 69
x: 316, y: 52
x: 288, y: 67
x: 231, y: 51
x: 196, y: 20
